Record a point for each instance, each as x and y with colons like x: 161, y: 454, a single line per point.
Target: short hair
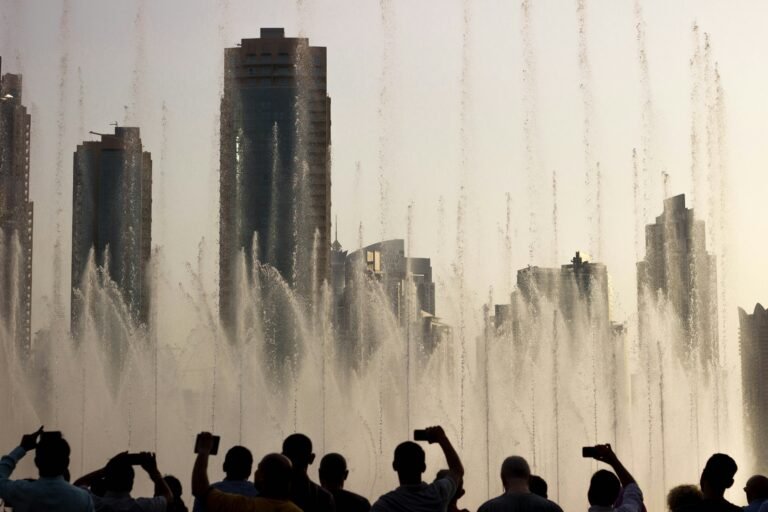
x: 515, y: 467
x: 684, y: 498
x: 118, y: 475
x: 409, y: 456
x: 52, y: 457
x: 298, y: 448
x: 719, y: 471
x: 604, y: 488
x: 333, y: 467
x: 757, y: 488
x: 174, y: 485
x: 238, y: 463
x: 276, y: 473
x: 538, y: 486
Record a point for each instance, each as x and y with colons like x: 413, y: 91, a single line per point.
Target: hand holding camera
x: 431, y: 435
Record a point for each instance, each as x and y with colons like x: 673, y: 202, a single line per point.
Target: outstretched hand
x: 604, y: 453
x: 29, y: 441
x: 149, y: 462
x: 204, y: 443
x: 436, y: 434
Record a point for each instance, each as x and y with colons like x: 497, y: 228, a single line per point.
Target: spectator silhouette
x: 453, y: 506
x: 757, y: 492
x: 174, y: 485
x: 305, y: 493
x: 238, y: 464
x: 272, y: 478
x: 517, y: 497
x: 116, y: 479
x: 51, y: 492
x: 684, y: 498
x: 716, y: 477
x: 605, y: 487
x: 538, y: 486
x: 413, y: 495
x: 333, y: 473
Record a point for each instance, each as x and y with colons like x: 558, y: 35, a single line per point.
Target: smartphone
x: 589, y: 452
x: 214, y: 448
x: 420, y: 435
x: 135, y: 459
x: 50, y: 436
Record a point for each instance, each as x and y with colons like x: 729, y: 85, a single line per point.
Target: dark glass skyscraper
x: 753, y: 337
x: 112, y: 216
x: 275, y: 178
x: 16, y: 212
x: 678, y: 266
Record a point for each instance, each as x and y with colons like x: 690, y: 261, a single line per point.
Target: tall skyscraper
x: 275, y: 177
x: 678, y: 267
x: 112, y: 217
x: 16, y: 214
x: 753, y: 337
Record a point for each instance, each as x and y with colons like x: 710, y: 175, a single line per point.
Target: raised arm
x: 200, y: 482
x: 89, y: 479
x: 8, y: 488
x: 149, y: 464
x: 437, y: 435
x: 605, y: 454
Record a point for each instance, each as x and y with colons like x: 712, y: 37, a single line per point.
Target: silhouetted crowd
x: 281, y: 484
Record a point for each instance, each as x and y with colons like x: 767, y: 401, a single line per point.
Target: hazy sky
x: 417, y: 88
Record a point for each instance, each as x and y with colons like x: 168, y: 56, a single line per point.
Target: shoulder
x: 157, y: 503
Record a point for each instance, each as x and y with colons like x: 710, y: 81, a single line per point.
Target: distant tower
x: 275, y: 178
x: 753, y: 337
x: 16, y: 213
x: 678, y: 266
x: 112, y: 216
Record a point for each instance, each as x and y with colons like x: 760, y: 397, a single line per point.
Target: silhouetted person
x: 305, y: 493
x: 238, y: 464
x: 453, y: 506
x: 333, y: 473
x: 517, y: 497
x: 174, y: 485
x: 716, y: 477
x: 606, y: 487
x: 538, y: 486
x: 272, y: 478
x: 757, y: 492
x: 684, y: 498
x: 51, y: 492
x: 117, y: 478
x: 413, y: 495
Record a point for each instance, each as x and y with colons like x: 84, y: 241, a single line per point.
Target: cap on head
x: 333, y: 468
x: 515, y: 468
x: 604, y: 489
x: 409, y: 458
x: 298, y: 448
x: 118, y: 475
x: 52, y: 457
x: 238, y: 463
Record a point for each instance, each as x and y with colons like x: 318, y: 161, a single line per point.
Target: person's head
x: 238, y: 463
x: 333, y: 471
x: 604, y: 489
x: 757, y: 488
x: 118, y: 475
x: 52, y: 457
x: 409, y: 462
x: 718, y: 475
x: 174, y: 485
x: 684, y: 498
x: 538, y: 486
x: 515, y: 473
x: 298, y: 448
x: 443, y: 473
x: 273, y: 476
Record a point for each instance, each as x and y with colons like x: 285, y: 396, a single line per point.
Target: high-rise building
x: 16, y: 214
x: 275, y: 177
x: 112, y: 217
x: 753, y: 337
x: 678, y: 268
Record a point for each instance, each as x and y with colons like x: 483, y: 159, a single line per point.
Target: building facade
x: 112, y: 218
x: 16, y: 214
x: 753, y: 339
x: 678, y: 269
x: 275, y: 177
